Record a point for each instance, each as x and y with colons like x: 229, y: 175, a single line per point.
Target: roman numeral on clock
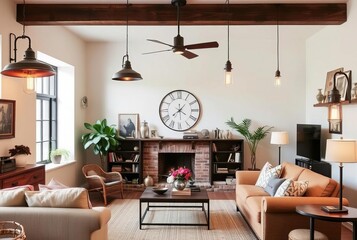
x: 172, y: 124
x: 166, y: 118
x: 193, y: 102
x: 179, y: 95
x: 193, y: 118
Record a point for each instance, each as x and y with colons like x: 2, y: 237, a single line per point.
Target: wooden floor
x: 97, y: 200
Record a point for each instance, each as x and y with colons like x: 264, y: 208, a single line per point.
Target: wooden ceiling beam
x: 194, y: 14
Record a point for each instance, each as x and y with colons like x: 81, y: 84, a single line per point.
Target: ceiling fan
x: 179, y: 47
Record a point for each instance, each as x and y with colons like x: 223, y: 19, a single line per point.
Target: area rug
x: 226, y: 222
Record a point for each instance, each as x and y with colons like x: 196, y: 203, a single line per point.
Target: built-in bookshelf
x: 126, y: 160
x: 227, y: 156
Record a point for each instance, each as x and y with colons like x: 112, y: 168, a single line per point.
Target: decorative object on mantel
x: 144, y: 130
x: 205, y: 133
x: 277, y: 73
x: 252, y: 138
x: 329, y: 82
x: 127, y: 73
x: 56, y: 155
x: 320, y: 97
x: 128, y: 125
x: 7, y: 118
x: 179, y: 178
x: 20, y: 152
x: 102, y: 137
x: 29, y: 68
x: 228, y: 69
x: 354, y: 91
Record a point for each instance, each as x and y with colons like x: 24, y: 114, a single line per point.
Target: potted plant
x: 20, y: 152
x: 56, y: 155
x: 252, y: 138
x: 102, y: 137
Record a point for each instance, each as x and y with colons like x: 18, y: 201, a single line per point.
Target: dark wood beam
x: 194, y: 14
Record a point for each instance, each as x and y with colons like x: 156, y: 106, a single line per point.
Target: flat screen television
x: 308, y: 141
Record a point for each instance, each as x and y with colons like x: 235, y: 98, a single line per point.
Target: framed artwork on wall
x: 128, y: 125
x: 7, y: 118
x: 329, y: 82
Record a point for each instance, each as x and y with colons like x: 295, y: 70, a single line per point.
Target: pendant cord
x: 127, y: 31
x: 24, y: 17
x: 228, y: 25
x: 277, y: 37
x: 178, y: 19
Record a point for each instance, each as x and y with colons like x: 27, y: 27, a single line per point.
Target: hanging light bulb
x: 228, y: 78
x: 127, y: 73
x: 277, y: 73
x: 30, y: 85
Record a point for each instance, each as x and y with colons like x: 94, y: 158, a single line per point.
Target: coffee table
x: 175, y: 201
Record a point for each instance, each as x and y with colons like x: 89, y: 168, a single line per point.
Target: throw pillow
x: 59, y: 198
x: 292, y: 188
x: 53, y: 184
x: 267, y: 172
x: 273, y: 185
x: 15, y: 196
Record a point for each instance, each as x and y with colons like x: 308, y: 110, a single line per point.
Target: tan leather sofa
x: 272, y: 218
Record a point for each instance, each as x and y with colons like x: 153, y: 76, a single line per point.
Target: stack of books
x: 185, y: 192
x: 190, y: 135
x: 222, y: 170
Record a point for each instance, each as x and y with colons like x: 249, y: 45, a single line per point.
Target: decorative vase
x: 148, y: 181
x: 57, y: 159
x: 179, y: 184
x: 319, y: 97
x: 144, y: 130
x: 21, y: 160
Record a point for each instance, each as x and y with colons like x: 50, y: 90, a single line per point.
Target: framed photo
x: 329, y: 82
x: 335, y: 127
x: 342, y: 84
x: 7, y: 118
x: 128, y: 125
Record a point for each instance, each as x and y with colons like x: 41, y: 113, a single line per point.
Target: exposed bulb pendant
x: 127, y: 73
x: 277, y: 73
x: 228, y: 78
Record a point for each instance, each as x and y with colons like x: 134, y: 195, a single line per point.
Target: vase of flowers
x: 20, y: 152
x: 179, y: 177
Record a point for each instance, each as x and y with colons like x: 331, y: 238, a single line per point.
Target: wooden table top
x: 149, y: 195
x: 315, y: 211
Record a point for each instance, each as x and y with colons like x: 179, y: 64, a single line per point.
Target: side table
x: 315, y: 212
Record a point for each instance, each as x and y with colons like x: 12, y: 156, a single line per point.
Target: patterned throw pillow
x: 267, y: 172
x: 292, y: 188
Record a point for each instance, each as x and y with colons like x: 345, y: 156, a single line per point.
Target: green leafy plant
x: 60, y: 152
x: 102, y: 137
x: 19, y: 149
x: 252, y: 138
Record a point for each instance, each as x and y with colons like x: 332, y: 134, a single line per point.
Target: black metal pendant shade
x: 127, y: 73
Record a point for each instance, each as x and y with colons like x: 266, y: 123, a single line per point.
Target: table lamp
x: 279, y: 138
x: 340, y: 151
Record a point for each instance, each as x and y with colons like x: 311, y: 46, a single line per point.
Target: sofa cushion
x: 254, y: 206
x: 291, y: 171
x: 319, y: 185
x: 273, y: 185
x: 53, y: 184
x: 292, y: 188
x: 14, y: 197
x: 60, y: 198
x: 267, y: 172
x: 246, y: 191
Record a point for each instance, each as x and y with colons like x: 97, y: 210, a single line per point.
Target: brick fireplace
x: 197, y: 153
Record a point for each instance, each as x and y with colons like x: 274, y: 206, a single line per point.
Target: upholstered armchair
x: 106, y: 183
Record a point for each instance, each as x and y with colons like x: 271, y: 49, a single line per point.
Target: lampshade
x: 279, y: 138
x: 127, y: 73
x: 341, y: 150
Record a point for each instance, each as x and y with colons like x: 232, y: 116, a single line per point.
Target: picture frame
x: 329, y: 82
x: 128, y: 125
x: 342, y: 84
x: 335, y: 127
x: 7, y: 118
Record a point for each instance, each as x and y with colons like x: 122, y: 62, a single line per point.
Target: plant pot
x: 21, y: 160
x: 57, y: 159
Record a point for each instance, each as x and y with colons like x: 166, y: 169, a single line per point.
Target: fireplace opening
x: 168, y: 161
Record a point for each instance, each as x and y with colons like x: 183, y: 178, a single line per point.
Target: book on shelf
x: 229, y: 158
x: 214, y: 147
x: 136, y: 158
x: 185, y: 192
x: 237, y: 157
x: 222, y: 170
x: 135, y: 168
x: 116, y: 169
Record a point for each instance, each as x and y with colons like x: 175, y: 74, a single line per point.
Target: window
x: 46, y: 117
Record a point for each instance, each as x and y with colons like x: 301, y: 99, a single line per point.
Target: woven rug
x: 226, y: 222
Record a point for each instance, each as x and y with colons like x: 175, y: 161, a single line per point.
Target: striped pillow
x: 268, y: 172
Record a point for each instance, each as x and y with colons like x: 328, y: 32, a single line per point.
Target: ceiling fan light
x: 28, y: 67
x: 127, y: 73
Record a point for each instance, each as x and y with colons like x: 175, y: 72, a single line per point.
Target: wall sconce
x: 29, y: 68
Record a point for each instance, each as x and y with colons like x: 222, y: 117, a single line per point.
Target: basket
x: 12, y: 230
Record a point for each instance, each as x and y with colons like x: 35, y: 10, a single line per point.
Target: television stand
x: 320, y: 167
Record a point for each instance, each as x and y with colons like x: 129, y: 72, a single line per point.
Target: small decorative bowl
x: 159, y: 190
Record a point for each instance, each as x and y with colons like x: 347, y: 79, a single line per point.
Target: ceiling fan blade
x: 202, y: 45
x: 157, y: 51
x: 157, y: 41
x: 189, y: 55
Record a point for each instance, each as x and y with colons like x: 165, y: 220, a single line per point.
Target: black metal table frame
x: 148, y: 206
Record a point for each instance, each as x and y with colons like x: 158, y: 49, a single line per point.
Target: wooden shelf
x: 353, y: 101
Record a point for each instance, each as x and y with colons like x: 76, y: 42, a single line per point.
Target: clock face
x: 179, y: 110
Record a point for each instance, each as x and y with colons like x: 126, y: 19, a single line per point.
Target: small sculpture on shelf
x: 320, y: 97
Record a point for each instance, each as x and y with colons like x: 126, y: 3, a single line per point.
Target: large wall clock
x: 179, y: 110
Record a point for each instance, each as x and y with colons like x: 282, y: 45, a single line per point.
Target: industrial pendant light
x: 277, y: 73
x: 127, y: 73
x: 29, y: 68
x: 228, y: 78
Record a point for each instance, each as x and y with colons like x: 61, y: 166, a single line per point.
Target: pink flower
x: 181, y: 173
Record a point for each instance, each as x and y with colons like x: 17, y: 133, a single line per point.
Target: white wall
x: 331, y: 48
x: 253, y: 95
x: 59, y: 43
